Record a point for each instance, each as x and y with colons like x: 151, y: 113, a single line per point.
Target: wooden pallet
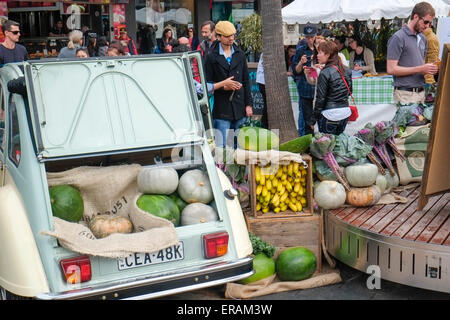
x: 292, y: 231
x: 402, y: 220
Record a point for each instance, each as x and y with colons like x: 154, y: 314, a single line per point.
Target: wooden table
x: 402, y: 220
x: 405, y: 245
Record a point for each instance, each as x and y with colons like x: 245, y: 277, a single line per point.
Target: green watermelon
x: 257, y: 139
x: 263, y: 266
x: 178, y: 201
x: 298, y: 145
x: 294, y: 264
x: 161, y: 206
x: 67, y: 203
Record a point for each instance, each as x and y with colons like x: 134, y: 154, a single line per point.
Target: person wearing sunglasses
x: 10, y: 50
x: 406, y: 52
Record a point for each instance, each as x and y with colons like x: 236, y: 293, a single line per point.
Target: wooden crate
x: 307, y: 210
x: 286, y: 232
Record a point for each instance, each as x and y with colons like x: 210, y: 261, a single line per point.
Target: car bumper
x: 154, y: 287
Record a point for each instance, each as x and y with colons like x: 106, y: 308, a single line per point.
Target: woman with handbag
x: 334, y: 85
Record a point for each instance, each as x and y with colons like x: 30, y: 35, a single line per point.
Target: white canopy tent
x: 325, y: 11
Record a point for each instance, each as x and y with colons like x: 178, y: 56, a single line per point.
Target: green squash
x: 161, y: 206
x: 298, y: 145
x: 67, y: 203
x: 295, y: 264
x: 257, y: 139
x: 264, y: 267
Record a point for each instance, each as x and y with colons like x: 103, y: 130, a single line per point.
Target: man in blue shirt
x: 303, y: 58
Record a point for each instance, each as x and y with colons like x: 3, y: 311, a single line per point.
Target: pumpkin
x: 363, y: 197
x: 195, y: 213
x: 194, y: 186
x: 157, y: 180
x: 104, y: 225
x: 361, y: 174
x: 386, y: 182
x: 329, y: 194
x: 382, y: 183
x: 393, y: 180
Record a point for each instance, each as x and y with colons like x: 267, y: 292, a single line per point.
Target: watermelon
x: 67, y: 203
x: 294, y: 264
x: 257, y: 139
x: 161, y: 206
x: 298, y: 145
x: 263, y: 266
x: 178, y: 201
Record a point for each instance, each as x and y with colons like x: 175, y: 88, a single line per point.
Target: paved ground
x: 352, y: 287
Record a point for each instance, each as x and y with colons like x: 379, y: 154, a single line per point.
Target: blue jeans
x: 301, y: 119
x: 224, y: 126
x: 333, y: 127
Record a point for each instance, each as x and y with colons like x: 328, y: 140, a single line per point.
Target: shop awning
x: 302, y: 11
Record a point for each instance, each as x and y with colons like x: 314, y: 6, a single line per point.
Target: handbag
x: 353, y: 107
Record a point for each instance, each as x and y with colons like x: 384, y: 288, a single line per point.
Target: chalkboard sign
x: 258, y: 100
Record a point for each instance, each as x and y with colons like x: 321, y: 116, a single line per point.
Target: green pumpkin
x: 67, y: 203
x: 257, y: 139
x: 161, y: 206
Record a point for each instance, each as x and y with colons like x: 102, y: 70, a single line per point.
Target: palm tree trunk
x: 279, y: 107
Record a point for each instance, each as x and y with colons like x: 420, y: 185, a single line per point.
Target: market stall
x: 366, y: 186
x: 302, y: 12
x: 375, y: 101
x: 373, y: 95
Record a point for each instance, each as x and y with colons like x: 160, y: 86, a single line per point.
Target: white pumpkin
x: 194, y: 186
x: 330, y: 194
x: 387, y: 182
x: 393, y: 180
x: 157, y: 180
x: 195, y: 213
x: 361, y: 174
x: 382, y: 183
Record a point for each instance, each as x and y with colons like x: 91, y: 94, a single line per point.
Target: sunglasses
x: 425, y: 22
x: 15, y: 32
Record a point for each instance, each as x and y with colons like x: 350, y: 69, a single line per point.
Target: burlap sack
x: 272, y: 284
x: 262, y: 158
x: 110, y: 190
x: 413, y: 145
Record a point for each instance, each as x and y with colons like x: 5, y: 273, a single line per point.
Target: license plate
x: 173, y: 253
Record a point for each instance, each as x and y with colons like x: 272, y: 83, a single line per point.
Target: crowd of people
x: 321, y: 64
x: 412, y: 53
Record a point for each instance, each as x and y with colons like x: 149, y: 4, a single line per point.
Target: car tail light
x: 215, y: 244
x: 77, y: 269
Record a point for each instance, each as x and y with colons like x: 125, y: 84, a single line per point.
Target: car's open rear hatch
x: 94, y: 106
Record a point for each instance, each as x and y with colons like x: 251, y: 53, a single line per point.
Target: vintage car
x: 63, y: 114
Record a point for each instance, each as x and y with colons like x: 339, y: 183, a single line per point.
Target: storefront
x: 40, y: 32
x: 180, y: 15
x: 234, y: 11
x: 106, y: 17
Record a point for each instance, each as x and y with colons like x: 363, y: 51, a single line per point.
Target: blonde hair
x: 74, y: 37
